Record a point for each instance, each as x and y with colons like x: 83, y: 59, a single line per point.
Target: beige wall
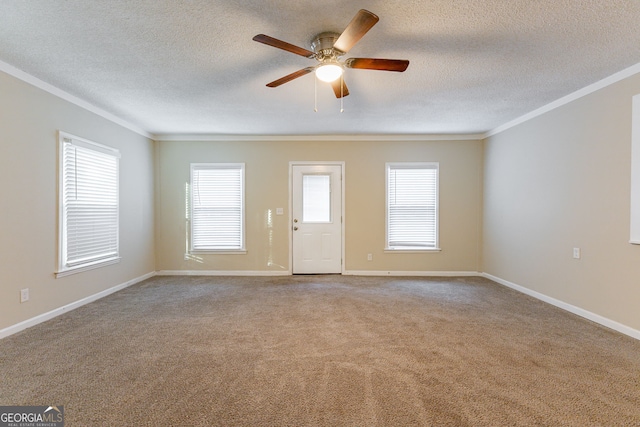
x: 29, y: 121
x: 559, y: 181
x: 267, y: 188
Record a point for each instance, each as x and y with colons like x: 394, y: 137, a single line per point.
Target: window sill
x: 85, y: 267
x: 220, y: 252
x: 411, y: 251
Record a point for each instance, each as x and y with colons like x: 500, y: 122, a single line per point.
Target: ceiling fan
x: 329, y: 47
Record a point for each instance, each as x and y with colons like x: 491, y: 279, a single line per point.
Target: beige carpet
x: 323, y: 350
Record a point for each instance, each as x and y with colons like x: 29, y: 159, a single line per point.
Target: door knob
x: 295, y: 220
x: 295, y: 228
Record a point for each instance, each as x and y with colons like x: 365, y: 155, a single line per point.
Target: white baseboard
x: 222, y: 273
x: 60, y: 310
x: 611, y: 324
x: 410, y: 273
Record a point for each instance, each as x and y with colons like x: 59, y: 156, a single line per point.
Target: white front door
x: 317, y: 218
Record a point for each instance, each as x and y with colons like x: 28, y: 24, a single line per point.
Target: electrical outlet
x: 24, y: 295
x: 369, y: 257
x: 576, y: 253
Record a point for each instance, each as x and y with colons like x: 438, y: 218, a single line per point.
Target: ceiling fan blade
x: 377, y: 64
x: 340, y: 91
x: 270, y: 41
x: 290, y: 77
x: 358, y: 27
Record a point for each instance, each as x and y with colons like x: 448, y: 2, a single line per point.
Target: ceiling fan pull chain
x: 341, y: 93
x: 315, y: 94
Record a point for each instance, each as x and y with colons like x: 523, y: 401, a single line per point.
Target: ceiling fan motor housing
x: 322, y: 45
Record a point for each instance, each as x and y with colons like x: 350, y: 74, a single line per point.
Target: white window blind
x: 412, y: 206
x: 217, y: 207
x: 89, y: 203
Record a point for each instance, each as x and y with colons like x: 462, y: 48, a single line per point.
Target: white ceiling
x: 190, y: 67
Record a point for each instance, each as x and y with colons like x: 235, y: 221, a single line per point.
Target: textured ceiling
x: 189, y: 67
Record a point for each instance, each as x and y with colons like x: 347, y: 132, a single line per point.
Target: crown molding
x: 34, y: 81
x: 328, y: 137
x: 607, y: 81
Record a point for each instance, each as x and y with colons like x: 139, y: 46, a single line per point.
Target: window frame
x: 413, y: 165
x: 66, y: 267
x: 634, y: 226
x: 190, y: 209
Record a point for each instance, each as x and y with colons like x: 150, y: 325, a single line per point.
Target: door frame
x: 342, y: 211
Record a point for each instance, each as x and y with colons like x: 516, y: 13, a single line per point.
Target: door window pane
x: 316, y: 198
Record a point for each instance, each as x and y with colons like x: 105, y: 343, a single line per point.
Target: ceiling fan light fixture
x: 329, y: 72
